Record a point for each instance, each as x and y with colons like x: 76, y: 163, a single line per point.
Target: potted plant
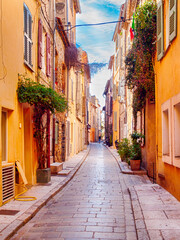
x: 124, y: 150
x: 44, y: 100
x: 116, y: 144
x: 135, y: 151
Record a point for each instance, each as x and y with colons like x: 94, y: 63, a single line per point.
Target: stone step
x: 56, y: 167
x: 64, y: 172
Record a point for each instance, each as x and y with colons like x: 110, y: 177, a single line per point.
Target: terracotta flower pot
x: 135, y: 164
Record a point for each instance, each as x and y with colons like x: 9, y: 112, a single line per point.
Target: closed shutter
x: 160, y: 31
x: 114, y: 92
x: 115, y: 121
x: 27, y: 36
x: 40, y: 28
x: 48, y: 56
x: 84, y: 106
x: 119, y: 89
x: 172, y: 19
x: 111, y: 105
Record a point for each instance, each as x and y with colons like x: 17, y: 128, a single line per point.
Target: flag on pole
x: 132, y: 29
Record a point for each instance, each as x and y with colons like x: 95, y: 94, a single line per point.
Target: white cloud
x: 91, y: 14
x: 98, y: 84
x: 116, y: 2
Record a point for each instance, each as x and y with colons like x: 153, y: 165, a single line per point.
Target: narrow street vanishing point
x: 94, y: 205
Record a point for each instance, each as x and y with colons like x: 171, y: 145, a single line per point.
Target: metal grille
x: 8, y: 183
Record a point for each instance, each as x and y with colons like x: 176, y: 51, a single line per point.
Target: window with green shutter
x: 172, y: 19
x: 27, y: 36
x: 160, y: 31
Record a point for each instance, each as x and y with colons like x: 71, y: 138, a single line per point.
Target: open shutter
x: 40, y: 43
x: 30, y: 39
x: 48, y: 57
x: 25, y: 34
x: 172, y: 19
x: 160, y: 31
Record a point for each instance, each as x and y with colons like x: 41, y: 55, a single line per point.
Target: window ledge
x: 29, y: 66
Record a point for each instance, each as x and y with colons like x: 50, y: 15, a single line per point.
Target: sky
x: 97, y: 40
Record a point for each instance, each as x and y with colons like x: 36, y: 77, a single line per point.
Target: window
x: 40, y: 43
x: 176, y: 129
x: 56, y: 132
x: 170, y: 25
x: 160, y: 31
x: 115, y: 121
x: 4, y: 135
x: 72, y: 90
x: 166, y: 132
x: 172, y: 19
x: 71, y: 132
x: 48, y: 55
x: 71, y: 7
x: 27, y: 37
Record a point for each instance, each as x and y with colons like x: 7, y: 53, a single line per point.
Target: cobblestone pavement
x: 94, y: 205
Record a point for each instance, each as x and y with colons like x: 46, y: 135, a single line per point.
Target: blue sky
x: 97, y: 40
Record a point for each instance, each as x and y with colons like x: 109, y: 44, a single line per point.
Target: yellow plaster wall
x: 12, y: 54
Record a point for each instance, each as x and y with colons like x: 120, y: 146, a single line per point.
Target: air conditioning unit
x: 8, y: 189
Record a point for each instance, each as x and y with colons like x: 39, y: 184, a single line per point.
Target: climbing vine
x: 140, y: 59
x: 45, y: 100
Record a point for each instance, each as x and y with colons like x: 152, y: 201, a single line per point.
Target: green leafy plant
x: 124, y: 150
x: 140, y: 59
x: 45, y: 100
x: 135, y: 148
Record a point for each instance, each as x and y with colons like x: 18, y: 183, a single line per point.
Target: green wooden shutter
x: 160, y: 31
x: 172, y: 19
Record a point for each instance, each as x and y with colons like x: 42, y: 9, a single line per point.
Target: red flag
x: 131, y: 33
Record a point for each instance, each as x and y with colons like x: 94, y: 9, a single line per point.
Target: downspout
x: 67, y: 133
x: 54, y: 35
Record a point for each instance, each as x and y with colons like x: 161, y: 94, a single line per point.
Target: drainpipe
x: 67, y: 133
x: 54, y: 34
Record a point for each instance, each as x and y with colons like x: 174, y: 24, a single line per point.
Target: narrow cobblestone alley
x: 94, y: 205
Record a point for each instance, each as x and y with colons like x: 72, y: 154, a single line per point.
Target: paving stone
x: 171, y: 224
x: 170, y: 234
x: 119, y: 236
x: 155, y: 234
x: 154, y: 215
x: 142, y: 234
x: 99, y: 229
x: 77, y: 234
x: 131, y: 235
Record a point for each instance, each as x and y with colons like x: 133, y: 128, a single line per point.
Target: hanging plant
x: 140, y: 59
x: 73, y: 59
x: 44, y: 99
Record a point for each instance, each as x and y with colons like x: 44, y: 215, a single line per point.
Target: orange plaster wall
x: 167, y: 85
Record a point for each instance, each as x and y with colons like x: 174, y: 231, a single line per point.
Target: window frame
x: 6, y: 133
x: 167, y: 107
x: 175, y: 101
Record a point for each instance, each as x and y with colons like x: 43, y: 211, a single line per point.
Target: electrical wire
x: 95, y: 24
x: 18, y: 197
